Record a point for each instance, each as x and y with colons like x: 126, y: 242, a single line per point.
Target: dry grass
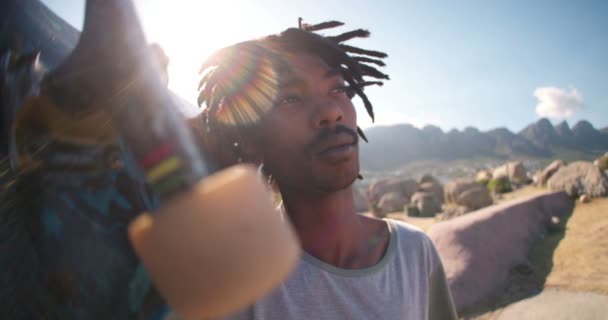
x: 575, y: 259
x: 521, y: 193
x: 580, y: 261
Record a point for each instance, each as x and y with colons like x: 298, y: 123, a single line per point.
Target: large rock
x: 549, y: 171
x: 390, y: 202
x: 468, y: 193
x: 483, y: 176
x: 427, y: 204
x: 451, y: 212
x: 500, y: 185
x: 454, y: 188
x: 428, y: 178
x: 536, y: 178
x: 480, y: 248
x: 403, y: 186
x: 475, y: 198
x: 434, y: 188
x: 580, y: 178
x: 515, y: 171
x: 602, y: 162
x: 361, y: 204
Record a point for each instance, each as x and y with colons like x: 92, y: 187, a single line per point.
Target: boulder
x: 403, y: 186
x: 514, y: 171
x: 391, y: 202
x: 500, y: 185
x: 412, y: 211
x: 467, y: 193
x: 602, y: 162
x: 536, y: 177
x: 361, y: 204
x: 434, y: 188
x: 451, y: 212
x: 475, y: 198
x: 549, y: 171
x: 479, y: 249
x: 454, y: 188
x: 426, y: 203
x: 580, y: 178
x: 484, y: 176
x: 428, y: 178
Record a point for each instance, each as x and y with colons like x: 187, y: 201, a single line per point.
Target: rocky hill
x: 392, y: 146
x: 28, y: 25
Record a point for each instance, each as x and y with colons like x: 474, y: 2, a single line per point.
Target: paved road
x: 558, y: 305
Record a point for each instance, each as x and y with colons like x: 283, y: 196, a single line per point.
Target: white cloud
x: 557, y: 103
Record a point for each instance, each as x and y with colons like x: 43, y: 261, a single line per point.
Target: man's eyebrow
x: 292, y: 82
x: 332, y: 73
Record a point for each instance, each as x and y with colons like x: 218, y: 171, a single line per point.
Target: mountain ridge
x: 392, y: 146
x: 29, y: 25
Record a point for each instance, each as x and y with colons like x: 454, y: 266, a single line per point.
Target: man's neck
x: 331, y: 230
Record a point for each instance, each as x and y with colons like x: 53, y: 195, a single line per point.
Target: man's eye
x: 289, y: 100
x: 344, y: 89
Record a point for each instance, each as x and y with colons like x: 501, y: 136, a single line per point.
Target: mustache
x: 327, y: 133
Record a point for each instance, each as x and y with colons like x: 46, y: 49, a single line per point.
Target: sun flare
x: 188, y: 32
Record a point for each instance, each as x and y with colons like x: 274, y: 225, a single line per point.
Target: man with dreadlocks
x: 283, y: 102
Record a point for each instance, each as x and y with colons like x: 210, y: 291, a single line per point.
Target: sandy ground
x: 580, y: 261
x: 519, y: 193
x: 568, y: 278
x: 558, y: 305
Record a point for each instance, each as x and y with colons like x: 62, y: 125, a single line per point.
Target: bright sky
x: 452, y: 63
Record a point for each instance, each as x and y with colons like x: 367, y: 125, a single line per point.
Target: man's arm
x: 441, y: 306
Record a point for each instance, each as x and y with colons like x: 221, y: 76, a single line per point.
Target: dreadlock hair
x: 239, y: 83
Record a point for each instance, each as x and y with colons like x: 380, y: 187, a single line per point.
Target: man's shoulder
x: 406, y: 230
x: 412, y: 242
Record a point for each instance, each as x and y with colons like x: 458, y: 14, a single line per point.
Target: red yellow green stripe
x: 164, y: 169
x: 168, y: 184
x: 157, y: 155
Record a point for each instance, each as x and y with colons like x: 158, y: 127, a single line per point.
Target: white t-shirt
x: 407, y: 283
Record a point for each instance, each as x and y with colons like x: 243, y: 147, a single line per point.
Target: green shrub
x: 602, y: 163
x: 484, y: 181
x: 412, y: 211
x: 500, y: 185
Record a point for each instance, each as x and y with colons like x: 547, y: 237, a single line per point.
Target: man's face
x: 309, y: 140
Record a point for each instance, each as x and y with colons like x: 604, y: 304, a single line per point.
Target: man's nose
x: 329, y: 113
